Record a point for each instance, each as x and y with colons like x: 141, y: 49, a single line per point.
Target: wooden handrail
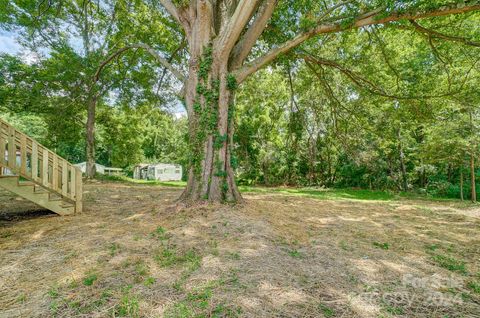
x: 25, y: 157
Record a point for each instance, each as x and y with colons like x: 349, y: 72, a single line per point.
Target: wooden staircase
x: 37, y: 174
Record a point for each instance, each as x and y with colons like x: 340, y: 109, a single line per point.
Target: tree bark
x: 90, y: 131
x: 461, y: 183
x: 403, y: 169
x: 210, y: 104
x: 472, y: 178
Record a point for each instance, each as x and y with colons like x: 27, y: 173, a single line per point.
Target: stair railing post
x: 64, y: 178
x: 78, y: 191
x: 3, y: 150
x: 54, y: 181
x: 23, y: 154
x: 34, y: 160
x: 45, y: 167
x: 12, y: 150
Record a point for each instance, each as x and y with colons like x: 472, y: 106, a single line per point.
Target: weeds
x: 21, y: 298
x: 474, y: 286
x: 89, y: 280
x: 149, y: 281
x: 234, y: 256
x: 326, y: 311
x: 114, y: 248
x: 432, y: 247
x: 141, y: 269
x: 383, y: 246
x: 160, y: 233
x: 169, y: 257
x: 344, y: 246
x: 295, y: 253
x: 198, y: 303
x: 128, y: 306
x: 450, y: 263
x: 53, y: 292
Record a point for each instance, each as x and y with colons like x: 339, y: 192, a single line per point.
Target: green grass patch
x: 90, y: 279
x: 394, y: 310
x: 169, y: 257
x: 21, y: 298
x: 325, y: 194
x: 233, y: 256
x: 198, y: 303
x: 149, y: 281
x: 295, y: 253
x: 326, y: 311
x: 160, y: 233
x: 176, y: 184
x: 432, y: 247
x: 141, y: 269
x: 450, y: 263
x: 128, y: 306
x: 114, y: 249
x: 474, y: 286
x: 53, y: 292
x: 383, y: 246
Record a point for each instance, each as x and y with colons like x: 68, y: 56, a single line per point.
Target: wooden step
x: 26, y: 183
x: 42, y: 199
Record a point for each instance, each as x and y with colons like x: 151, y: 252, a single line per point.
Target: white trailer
x: 158, y: 171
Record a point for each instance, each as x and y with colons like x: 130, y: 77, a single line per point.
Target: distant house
x: 101, y: 169
x: 158, y: 171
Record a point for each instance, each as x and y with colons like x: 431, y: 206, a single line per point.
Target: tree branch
x: 439, y: 35
x: 245, y: 45
x: 171, y: 9
x: 150, y: 50
x: 369, y: 18
x: 363, y: 82
x: 230, y: 34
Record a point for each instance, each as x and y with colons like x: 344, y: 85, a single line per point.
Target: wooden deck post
x: 34, y: 161
x: 12, y: 150
x: 78, y: 191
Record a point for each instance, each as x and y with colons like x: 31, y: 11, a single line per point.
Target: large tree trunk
x: 210, y: 105
x: 90, y: 131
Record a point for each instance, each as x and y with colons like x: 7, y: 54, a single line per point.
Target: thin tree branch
x: 439, y: 35
x: 170, y: 59
x: 364, y: 83
x: 369, y: 18
x: 150, y: 50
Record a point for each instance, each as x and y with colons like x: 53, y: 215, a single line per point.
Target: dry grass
x: 131, y: 253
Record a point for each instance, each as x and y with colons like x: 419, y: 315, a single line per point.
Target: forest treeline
x: 293, y: 128
x: 384, y: 107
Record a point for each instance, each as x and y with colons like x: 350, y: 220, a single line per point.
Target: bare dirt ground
x: 132, y: 254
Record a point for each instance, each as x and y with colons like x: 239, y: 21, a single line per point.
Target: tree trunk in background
x: 403, y: 169
x: 461, y: 183
x: 472, y: 176
x: 90, y: 147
